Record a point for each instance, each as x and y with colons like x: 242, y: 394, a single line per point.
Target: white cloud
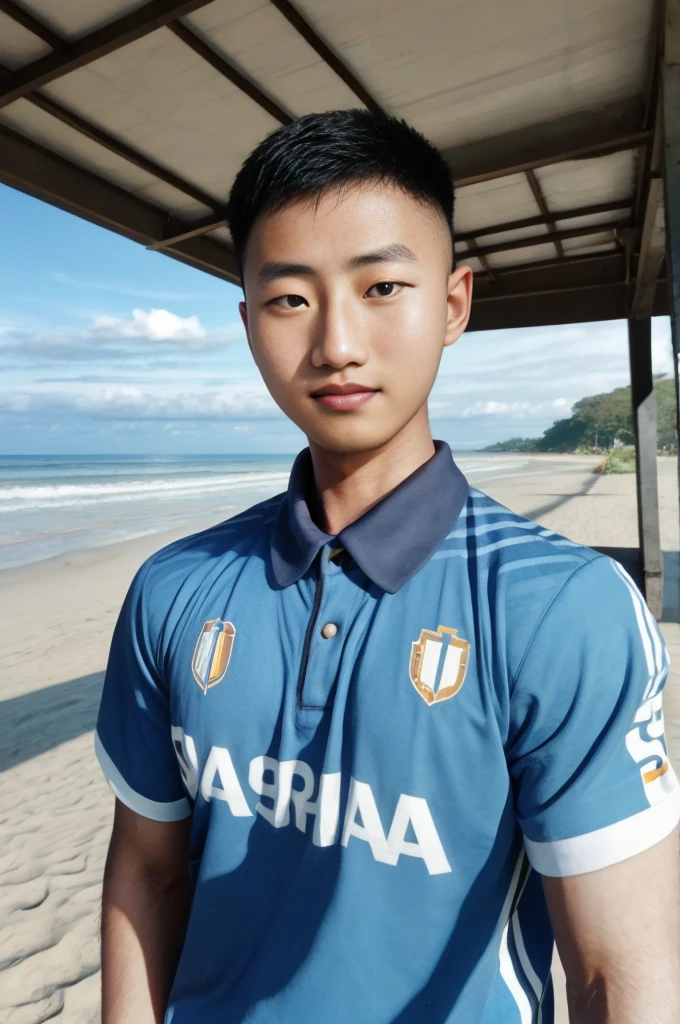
x: 129, y: 402
x: 154, y: 325
x: 494, y: 408
x: 560, y: 403
x: 14, y: 402
x: 111, y: 338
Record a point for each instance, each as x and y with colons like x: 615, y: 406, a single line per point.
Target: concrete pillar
x: 644, y: 424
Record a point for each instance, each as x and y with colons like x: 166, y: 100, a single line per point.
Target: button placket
x: 325, y: 647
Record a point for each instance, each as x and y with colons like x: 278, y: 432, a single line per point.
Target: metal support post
x: 644, y: 423
x: 671, y: 148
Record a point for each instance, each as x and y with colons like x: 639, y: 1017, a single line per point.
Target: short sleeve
x: 592, y: 780
x: 133, y: 741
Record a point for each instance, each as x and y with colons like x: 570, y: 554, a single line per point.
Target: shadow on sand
x: 37, y: 721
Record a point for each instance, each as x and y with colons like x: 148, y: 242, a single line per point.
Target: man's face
x: 352, y: 293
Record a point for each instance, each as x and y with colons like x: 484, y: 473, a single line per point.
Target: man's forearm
x: 621, y: 1003
x: 143, y: 927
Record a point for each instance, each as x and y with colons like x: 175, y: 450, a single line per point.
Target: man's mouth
x: 344, y: 397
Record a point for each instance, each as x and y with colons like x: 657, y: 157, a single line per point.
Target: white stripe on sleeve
x: 611, y: 844
x: 175, y: 810
x: 648, y: 632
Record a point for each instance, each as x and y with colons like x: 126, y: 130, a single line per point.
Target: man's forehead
x: 384, y: 200
x: 354, y: 227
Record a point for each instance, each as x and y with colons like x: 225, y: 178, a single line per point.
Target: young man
x: 373, y: 737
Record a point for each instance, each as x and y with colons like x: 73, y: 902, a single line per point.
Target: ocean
x: 51, y: 505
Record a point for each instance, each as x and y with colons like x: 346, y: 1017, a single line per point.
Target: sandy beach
x: 55, y: 808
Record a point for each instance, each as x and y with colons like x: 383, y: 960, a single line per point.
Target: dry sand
x: 55, y: 808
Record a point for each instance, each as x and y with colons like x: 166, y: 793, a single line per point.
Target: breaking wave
x: 22, y: 497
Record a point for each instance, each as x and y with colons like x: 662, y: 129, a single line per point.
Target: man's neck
x: 348, y: 485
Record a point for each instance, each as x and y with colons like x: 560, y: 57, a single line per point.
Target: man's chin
x: 343, y: 441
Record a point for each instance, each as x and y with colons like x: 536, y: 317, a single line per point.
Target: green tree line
x: 597, y: 420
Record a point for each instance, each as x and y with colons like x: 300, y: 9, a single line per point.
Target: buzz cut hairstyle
x: 337, y: 149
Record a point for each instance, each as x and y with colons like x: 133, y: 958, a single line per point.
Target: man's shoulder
x: 513, y: 545
x: 528, y: 569
x: 208, y: 550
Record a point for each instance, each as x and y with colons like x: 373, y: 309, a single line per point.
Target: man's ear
x: 458, y: 303
x: 243, y: 310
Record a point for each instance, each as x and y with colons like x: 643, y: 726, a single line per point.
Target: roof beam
x: 192, y: 230
x: 537, y: 191
x: 227, y: 70
x: 651, y: 117
x: 649, y: 210
x: 35, y: 170
x: 605, y: 147
x: 303, y: 28
x: 575, y: 137
x: 530, y: 222
x: 572, y: 271
x: 97, y: 134
x: 547, y: 307
x: 535, y: 308
x: 522, y: 268
x: 588, y: 257
x: 484, y: 263
x: 548, y: 291
x: 102, y: 41
x: 24, y: 18
x: 114, y: 145
x: 655, y: 54
x: 652, y: 251
x: 527, y: 243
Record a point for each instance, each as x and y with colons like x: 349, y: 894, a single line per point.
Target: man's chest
x: 378, y: 729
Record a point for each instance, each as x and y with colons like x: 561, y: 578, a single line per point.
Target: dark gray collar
x: 390, y: 542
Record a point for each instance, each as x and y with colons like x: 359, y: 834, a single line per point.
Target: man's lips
x: 342, y: 397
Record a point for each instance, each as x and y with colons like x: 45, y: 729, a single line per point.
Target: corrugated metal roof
x: 139, y: 115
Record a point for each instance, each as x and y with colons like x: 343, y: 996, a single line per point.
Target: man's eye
x: 383, y: 289
x: 289, y: 301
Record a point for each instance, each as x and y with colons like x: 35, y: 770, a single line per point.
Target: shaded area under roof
x: 137, y: 117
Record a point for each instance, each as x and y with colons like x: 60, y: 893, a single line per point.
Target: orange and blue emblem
x: 212, y: 653
x: 439, y: 663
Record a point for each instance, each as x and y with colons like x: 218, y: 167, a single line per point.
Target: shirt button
x: 329, y: 630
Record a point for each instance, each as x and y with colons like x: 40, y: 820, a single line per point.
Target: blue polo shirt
x: 383, y: 739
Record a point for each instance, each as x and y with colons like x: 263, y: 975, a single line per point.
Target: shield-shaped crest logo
x: 438, y: 663
x: 212, y: 654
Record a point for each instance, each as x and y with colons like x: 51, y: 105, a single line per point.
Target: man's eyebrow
x: 275, y: 269
x: 386, y: 254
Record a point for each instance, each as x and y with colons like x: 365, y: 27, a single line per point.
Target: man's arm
x: 618, y: 936
x: 145, y: 907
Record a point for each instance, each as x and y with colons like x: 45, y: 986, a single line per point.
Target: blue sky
x: 108, y: 348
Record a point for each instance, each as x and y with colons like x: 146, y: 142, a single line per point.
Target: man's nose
x: 338, y: 340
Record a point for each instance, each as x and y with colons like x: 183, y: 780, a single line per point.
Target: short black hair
x: 340, y: 147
